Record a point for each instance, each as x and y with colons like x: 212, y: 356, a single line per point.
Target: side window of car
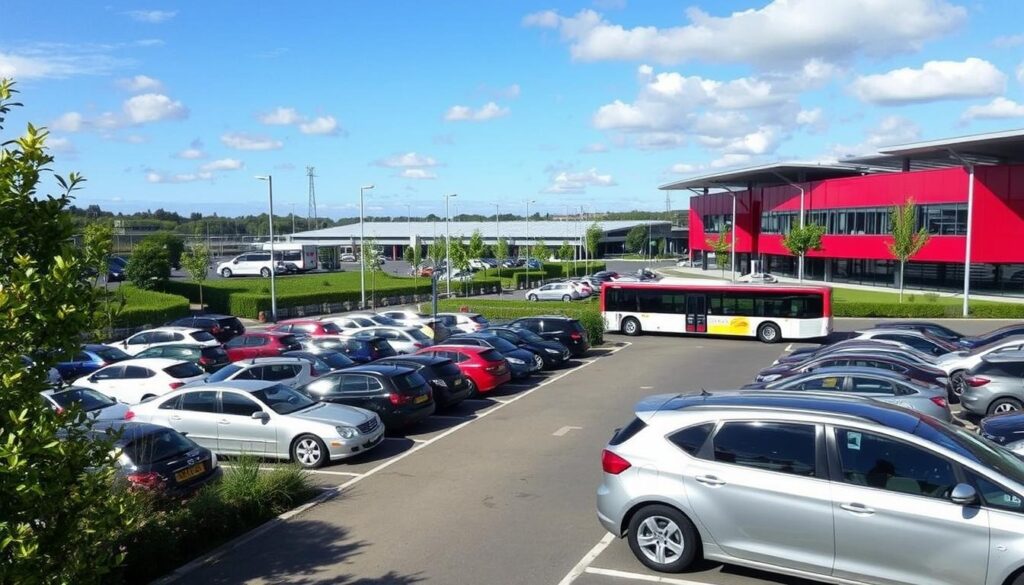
x: 238, y: 405
x: 823, y: 384
x: 691, y: 439
x: 871, y: 386
x: 172, y: 404
x: 353, y: 384
x: 876, y: 461
x: 995, y: 496
x: 283, y: 328
x: 201, y: 401
x: 177, y: 337
x: 373, y: 384
x: 111, y: 373
x: 255, y: 341
x: 780, y: 447
x: 82, y: 357
x: 140, y: 339
x: 137, y: 372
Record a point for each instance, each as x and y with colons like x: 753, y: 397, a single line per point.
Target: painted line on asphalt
x: 588, y: 558
x: 404, y: 439
x: 565, y: 430
x: 789, y: 347
x: 452, y: 416
x: 641, y: 577
x: 313, y: 471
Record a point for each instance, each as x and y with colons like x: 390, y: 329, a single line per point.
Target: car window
x: 201, y: 336
x: 111, y: 354
x: 238, y: 405
x: 276, y: 372
x: 236, y: 342
x: 871, y: 386
x: 354, y: 384
x: 81, y: 357
x: 180, y: 337
x: 254, y: 373
x: 201, y: 401
x: 140, y: 339
x: 171, y: 404
x: 823, y: 384
x: 184, y: 370
x: 151, y: 352
x: 255, y: 341
x: 87, y: 399
x: 111, y: 373
x: 161, y: 337
x: 876, y: 461
x: 181, y: 352
x: 781, y: 447
x: 994, y: 496
x: 691, y: 439
x: 137, y: 372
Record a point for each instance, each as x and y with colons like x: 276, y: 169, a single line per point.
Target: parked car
x: 348, y: 322
x: 398, y: 395
x: 335, y: 360
x: 995, y: 385
x: 567, y: 331
x: 869, y: 383
x: 957, y: 363
x: 600, y: 277
x: 933, y: 329
x: 449, y: 385
x: 248, y: 264
x: 409, y: 318
x: 261, y: 344
x: 758, y: 278
x: 484, y: 368
x: 265, y: 419
x: 466, y: 322
x: 829, y: 488
x: 88, y: 359
x: 97, y: 406
x: 973, y: 341
x: 358, y: 349
x: 916, y: 339
x: 555, y: 291
x: 116, y: 269
x: 348, y: 258
x: 157, y: 458
x: 478, y: 264
x: 855, y: 345
x: 1005, y: 430
x: 223, y: 327
x: 53, y: 377
x: 290, y: 371
x: 552, y: 352
x: 210, y: 359
x: 135, y: 380
x: 165, y: 336
x: 310, y: 327
x: 402, y: 339
x: 522, y: 362
x: 861, y: 359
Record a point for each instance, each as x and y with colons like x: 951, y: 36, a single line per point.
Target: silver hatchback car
x: 835, y: 489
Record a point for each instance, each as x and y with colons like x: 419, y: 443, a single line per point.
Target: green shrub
x: 149, y: 265
x: 527, y: 278
x: 147, y: 307
x: 931, y: 297
x: 996, y: 311
x: 902, y: 310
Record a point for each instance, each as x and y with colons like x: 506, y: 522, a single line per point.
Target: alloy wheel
x: 308, y: 452
x: 660, y: 540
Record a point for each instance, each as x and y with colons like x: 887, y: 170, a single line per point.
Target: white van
x: 248, y: 264
x: 302, y: 256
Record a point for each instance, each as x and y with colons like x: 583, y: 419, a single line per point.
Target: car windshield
x: 363, y: 322
x: 974, y: 447
x: 336, y: 360
x: 331, y: 328
x: 158, y: 446
x: 382, y: 320
x: 408, y: 381
x: 491, y: 355
x: 87, y: 399
x: 529, y: 336
x: 479, y: 319
x: 184, y: 370
x: 500, y: 344
x: 203, y: 336
x: 224, y: 373
x: 282, y: 399
x: 418, y: 335
x: 111, y: 354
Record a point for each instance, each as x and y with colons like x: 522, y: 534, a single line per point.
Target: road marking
x: 452, y: 416
x: 789, y: 347
x: 565, y: 430
x: 405, y: 439
x: 587, y: 559
x: 316, y: 471
x: 641, y: 577
x: 647, y: 387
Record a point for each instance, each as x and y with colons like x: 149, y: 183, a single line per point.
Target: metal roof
x: 1005, y: 147
x: 770, y: 174
x: 550, y: 231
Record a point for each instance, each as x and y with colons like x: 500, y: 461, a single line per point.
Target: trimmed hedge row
x: 146, y: 307
x: 510, y: 277
x: 587, y: 313
x: 928, y: 310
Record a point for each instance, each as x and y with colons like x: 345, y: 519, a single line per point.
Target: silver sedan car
x: 402, y: 339
x: 556, y: 291
x: 829, y: 488
x: 265, y: 419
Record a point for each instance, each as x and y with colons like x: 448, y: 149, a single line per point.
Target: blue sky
x: 573, y: 104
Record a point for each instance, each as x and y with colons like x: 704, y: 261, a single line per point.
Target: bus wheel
x: 769, y: 333
x: 631, y: 327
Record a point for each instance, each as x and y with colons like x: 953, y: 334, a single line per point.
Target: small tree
x: 565, y: 254
x: 501, y: 250
x: 906, y: 242
x: 488, y: 251
x: 636, y: 239
x: 476, y: 245
x: 149, y: 265
x: 593, y: 238
x: 100, y: 238
x: 801, y: 240
x: 196, y: 261
x: 459, y: 258
x: 540, y: 251
x: 437, y: 250
x: 173, y: 244
x: 721, y: 245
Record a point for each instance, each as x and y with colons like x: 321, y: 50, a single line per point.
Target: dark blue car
x: 358, y: 349
x: 992, y: 336
x: 521, y: 361
x: 88, y: 359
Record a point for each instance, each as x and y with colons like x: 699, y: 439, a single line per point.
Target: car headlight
x: 1016, y: 447
x: 439, y: 382
x: 767, y: 378
x: 347, y: 432
x: 516, y: 361
x: 552, y: 351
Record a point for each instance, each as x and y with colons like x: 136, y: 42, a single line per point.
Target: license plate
x: 190, y: 472
x: 421, y: 399
x: 458, y: 383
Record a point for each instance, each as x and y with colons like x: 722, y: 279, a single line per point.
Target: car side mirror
x: 261, y: 415
x: 235, y: 261
x: 963, y: 494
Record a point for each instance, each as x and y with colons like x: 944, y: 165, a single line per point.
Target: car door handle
x: 709, y: 480
x: 858, y: 509
x: 223, y: 421
x: 174, y: 417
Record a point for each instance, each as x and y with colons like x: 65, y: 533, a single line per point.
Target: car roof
x: 96, y: 346
x: 453, y: 346
x: 174, y: 328
x: 159, y: 363
x: 270, y: 333
x: 857, y: 370
x: 776, y: 402
x: 560, y: 317
x: 176, y: 345
x: 303, y: 321
x: 269, y: 360
x: 422, y: 358
x: 130, y: 431
x: 896, y: 331
x: 240, y: 385
x: 382, y: 369
x: 1005, y: 356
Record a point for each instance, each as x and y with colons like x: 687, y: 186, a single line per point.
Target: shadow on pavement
x: 431, y: 424
x: 468, y: 407
x: 390, y: 447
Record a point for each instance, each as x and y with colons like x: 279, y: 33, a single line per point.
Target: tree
x: 408, y: 255
x: 636, y: 239
x: 149, y: 265
x: 501, y: 250
x: 565, y: 254
x: 100, y: 238
x: 196, y: 261
x: 173, y: 244
x: 437, y: 250
x: 460, y: 255
x: 801, y: 240
x: 476, y: 245
x: 488, y: 251
x: 540, y: 251
x: 906, y: 242
x: 593, y: 239
x: 60, y: 518
x: 721, y: 246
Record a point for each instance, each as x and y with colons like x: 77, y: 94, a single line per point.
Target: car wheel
x: 309, y: 451
x: 663, y: 539
x: 531, y: 298
x: 957, y: 381
x: 226, y: 273
x: 1004, y: 405
x: 473, y: 391
x: 631, y: 327
x: 769, y: 333
x: 566, y: 298
x: 265, y: 272
x: 538, y: 361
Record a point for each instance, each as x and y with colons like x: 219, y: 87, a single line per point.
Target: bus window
x: 650, y: 301
x: 620, y: 299
x: 715, y: 304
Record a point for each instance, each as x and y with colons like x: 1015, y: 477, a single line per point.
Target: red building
x: 853, y: 200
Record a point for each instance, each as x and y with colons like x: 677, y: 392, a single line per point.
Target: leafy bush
x: 586, y: 312
x: 147, y: 307
x: 173, y: 244
x: 149, y: 265
x: 996, y: 311
x: 902, y: 310
x: 931, y: 297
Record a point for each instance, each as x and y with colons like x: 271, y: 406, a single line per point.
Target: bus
x: 769, y: 312
x: 303, y: 256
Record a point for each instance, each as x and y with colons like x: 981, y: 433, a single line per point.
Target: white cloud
x: 60, y: 144
x: 152, y: 16
x: 323, y: 125
x: 762, y: 141
x: 407, y: 160
x: 568, y: 181
x: 418, y: 174
x: 594, y: 148
x: 784, y: 31
x: 683, y: 168
x: 243, y: 141
x: 731, y: 160
x: 936, y: 80
x: 153, y: 107
x: 890, y: 131
x: 106, y: 121
x: 811, y: 117
x: 223, y: 164
x: 659, y: 140
x: 158, y: 177
x: 488, y: 111
x: 40, y: 64
x: 68, y: 122
x: 193, y: 152
x: 139, y: 84
x: 1008, y: 41
x: 998, y: 109
x: 280, y: 116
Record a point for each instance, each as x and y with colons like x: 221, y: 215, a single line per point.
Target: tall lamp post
x: 497, y: 236
x: 362, y: 250
x: 448, y: 245
x: 528, y: 202
x: 273, y: 264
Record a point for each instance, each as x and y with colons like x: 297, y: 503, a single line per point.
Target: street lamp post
x: 448, y: 245
x: 362, y: 250
x: 497, y: 236
x: 528, y: 202
x: 273, y: 263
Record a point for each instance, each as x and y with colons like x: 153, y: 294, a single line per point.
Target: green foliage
x: 476, y: 245
x: 488, y: 251
x: 540, y: 251
x: 593, y: 239
x: 587, y: 312
x: 906, y: 242
x: 59, y: 521
x: 197, y: 262
x: 174, y: 245
x: 437, y: 250
x: 139, y: 307
x: 636, y: 239
x: 370, y: 253
x: 721, y: 245
x: 501, y: 249
x: 149, y: 265
x: 409, y: 255
x: 566, y: 253
x: 801, y: 240
x: 930, y: 310
x: 460, y: 254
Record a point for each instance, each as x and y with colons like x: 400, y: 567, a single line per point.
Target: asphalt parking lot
x: 500, y: 490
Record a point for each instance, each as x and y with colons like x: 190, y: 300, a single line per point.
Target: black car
x: 400, y: 396
x: 805, y: 353
x: 992, y: 336
x: 159, y: 458
x: 567, y: 331
x: 335, y: 360
x: 116, y: 266
x: 359, y: 349
x: 210, y: 359
x: 1004, y: 429
x: 552, y: 352
x: 933, y: 329
x: 223, y: 327
x: 445, y: 378
x: 861, y: 359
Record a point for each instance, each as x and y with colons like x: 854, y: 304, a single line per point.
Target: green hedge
x: 146, y: 307
x: 587, y: 312
x: 928, y: 310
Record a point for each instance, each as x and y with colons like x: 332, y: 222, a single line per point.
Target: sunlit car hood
x: 334, y: 414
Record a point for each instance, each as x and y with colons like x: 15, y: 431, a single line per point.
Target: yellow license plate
x: 187, y: 474
x: 421, y: 399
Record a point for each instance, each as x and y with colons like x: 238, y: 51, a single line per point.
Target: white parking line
x: 452, y: 416
x: 587, y: 559
x: 789, y: 347
x: 316, y: 471
x: 641, y: 577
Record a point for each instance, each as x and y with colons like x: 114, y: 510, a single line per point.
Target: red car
x: 485, y: 367
x: 310, y: 327
x: 262, y: 344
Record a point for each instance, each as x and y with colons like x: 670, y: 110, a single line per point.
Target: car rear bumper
x: 405, y: 417
x: 488, y: 382
x: 450, y: 395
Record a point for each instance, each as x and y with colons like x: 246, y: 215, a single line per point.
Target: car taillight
x: 612, y: 463
x: 575, y: 336
x: 205, y: 361
x: 149, y: 479
x: 975, y: 381
x: 176, y: 385
x: 129, y: 415
x: 939, y: 401
x: 493, y: 368
x: 419, y: 345
x: 398, y: 399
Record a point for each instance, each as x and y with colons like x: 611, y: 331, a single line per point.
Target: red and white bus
x: 769, y: 312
